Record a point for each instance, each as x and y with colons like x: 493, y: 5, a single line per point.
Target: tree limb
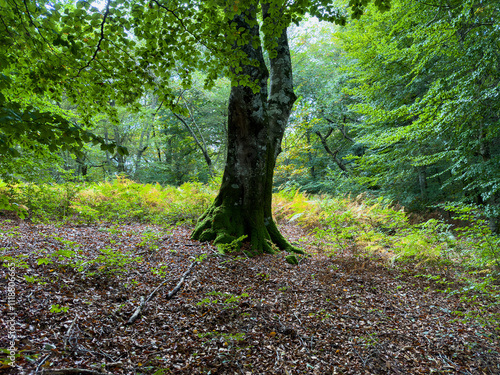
x: 342, y: 129
x: 333, y: 154
x: 201, y: 146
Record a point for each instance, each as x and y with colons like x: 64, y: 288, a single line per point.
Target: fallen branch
x: 172, y: 293
x: 137, y: 312
x: 68, y: 337
x: 179, y: 284
x: 64, y: 371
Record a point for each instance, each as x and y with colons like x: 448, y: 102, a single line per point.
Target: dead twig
x: 297, y: 318
x: 139, y: 309
x: 137, y: 312
x: 67, y: 337
x: 42, y: 362
x: 179, y: 284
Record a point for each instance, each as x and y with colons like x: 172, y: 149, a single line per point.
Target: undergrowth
x: 366, y: 226
x: 121, y: 200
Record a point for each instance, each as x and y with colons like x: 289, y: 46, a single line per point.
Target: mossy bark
x: 256, y: 125
x: 243, y: 207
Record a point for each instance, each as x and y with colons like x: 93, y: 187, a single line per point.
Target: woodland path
x: 347, y: 314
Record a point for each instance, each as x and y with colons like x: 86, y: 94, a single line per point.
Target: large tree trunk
x: 256, y: 125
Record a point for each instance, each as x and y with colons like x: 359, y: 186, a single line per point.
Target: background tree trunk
x: 256, y: 124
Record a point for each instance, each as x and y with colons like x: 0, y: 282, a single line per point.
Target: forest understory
x: 351, y: 313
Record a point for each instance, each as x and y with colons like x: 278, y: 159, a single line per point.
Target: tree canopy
x: 94, y: 55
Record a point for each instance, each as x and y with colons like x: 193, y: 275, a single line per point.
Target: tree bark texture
x: 256, y: 124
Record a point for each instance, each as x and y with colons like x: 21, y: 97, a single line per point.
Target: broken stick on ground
x: 172, y: 293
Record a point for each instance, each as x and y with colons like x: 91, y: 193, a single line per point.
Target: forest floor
x: 345, y: 314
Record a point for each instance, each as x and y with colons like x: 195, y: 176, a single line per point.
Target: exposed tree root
x: 223, y: 225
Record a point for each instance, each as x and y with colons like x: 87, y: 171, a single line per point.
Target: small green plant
x: 227, y: 300
x: 322, y: 314
x: 58, y: 309
x: 150, y: 239
x: 132, y: 282
x: 160, y: 271
x: 114, y: 230
x: 223, y: 337
x: 232, y: 299
x: 34, y: 279
x: 368, y: 340
x: 109, y: 262
x: 476, y: 241
x: 11, y: 233
x: 234, y: 259
x: 17, y: 260
x: 201, y: 258
x: 263, y: 276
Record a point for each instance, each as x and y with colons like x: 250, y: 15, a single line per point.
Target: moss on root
x: 223, y: 225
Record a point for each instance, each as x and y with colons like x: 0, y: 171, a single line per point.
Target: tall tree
x: 258, y: 116
x: 257, y: 120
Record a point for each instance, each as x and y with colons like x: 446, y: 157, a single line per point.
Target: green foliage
x: 150, y: 239
x: 318, y: 141
x: 475, y: 241
x: 73, y: 74
x: 226, y: 338
x: 20, y: 210
x: 377, y: 226
x: 160, y: 271
x: 18, y: 261
x: 426, y: 91
x: 227, y: 300
x: 34, y: 279
x: 110, y: 261
x: 117, y: 201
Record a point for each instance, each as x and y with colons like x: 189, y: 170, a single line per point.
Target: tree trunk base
x: 224, y: 224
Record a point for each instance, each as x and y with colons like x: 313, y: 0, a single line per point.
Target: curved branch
x: 342, y: 129
x: 333, y: 154
x: 196, y: 140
